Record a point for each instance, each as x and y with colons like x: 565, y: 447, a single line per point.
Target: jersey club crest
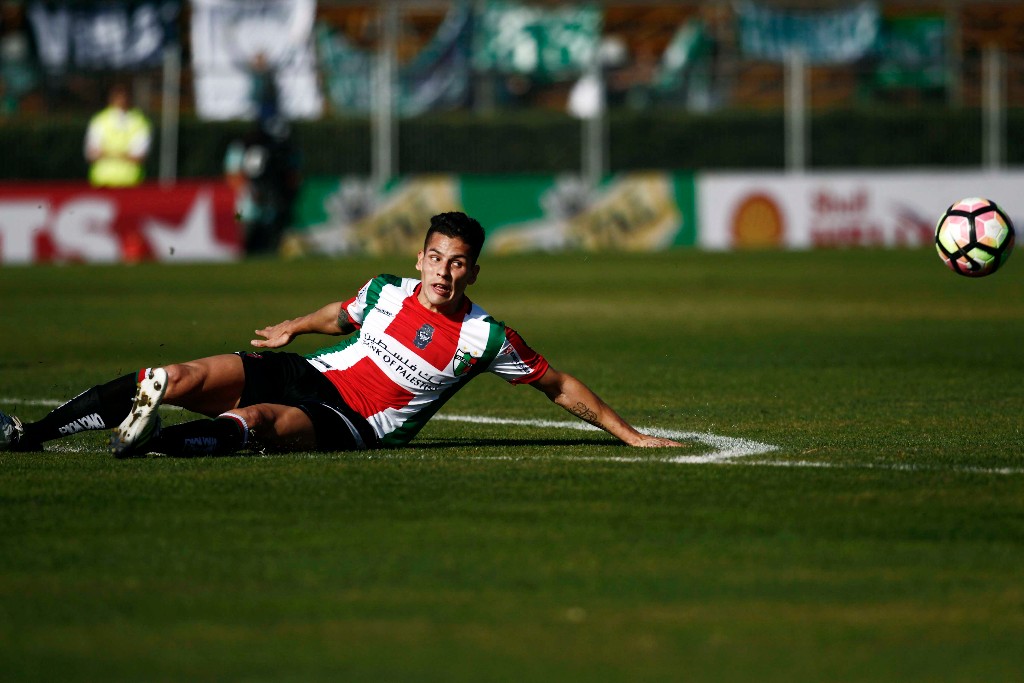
x: 463, y: 361
x: 423, y: 336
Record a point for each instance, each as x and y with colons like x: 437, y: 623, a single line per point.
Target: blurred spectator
x: 263, y: 88
x: 263, y: 169
x: 18, y: 75
x: 117, y: 142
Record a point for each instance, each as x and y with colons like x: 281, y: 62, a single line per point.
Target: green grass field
x: 881, y: 540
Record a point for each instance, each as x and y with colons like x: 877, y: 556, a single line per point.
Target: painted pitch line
x: 723, y: 447
x: 727, y: 450
x: 44, y: 402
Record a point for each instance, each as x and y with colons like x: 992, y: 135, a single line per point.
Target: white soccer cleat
x: 10, y: 432
x: 143, y: 422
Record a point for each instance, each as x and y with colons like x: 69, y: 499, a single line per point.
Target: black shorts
x: 288, y: 379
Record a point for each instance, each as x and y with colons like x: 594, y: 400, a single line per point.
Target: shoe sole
x: 10, y: 434
x: 20, y: 445
x: 137, y: 428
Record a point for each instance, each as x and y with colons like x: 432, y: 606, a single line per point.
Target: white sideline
x: 724, y: 447
x: 726, y: 450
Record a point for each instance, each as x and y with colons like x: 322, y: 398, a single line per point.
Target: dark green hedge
x: 48, y: 149
x: 923, y: 137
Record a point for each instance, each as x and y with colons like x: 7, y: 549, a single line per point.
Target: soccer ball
x: 974, y: 237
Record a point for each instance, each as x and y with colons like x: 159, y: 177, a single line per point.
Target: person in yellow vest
x: 117, y: 143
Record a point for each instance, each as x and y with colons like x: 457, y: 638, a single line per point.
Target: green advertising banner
x: 522, y: 213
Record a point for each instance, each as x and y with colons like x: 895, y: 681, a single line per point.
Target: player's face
x: 447, y: 268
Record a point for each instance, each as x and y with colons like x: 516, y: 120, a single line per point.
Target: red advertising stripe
x: 73, y: 222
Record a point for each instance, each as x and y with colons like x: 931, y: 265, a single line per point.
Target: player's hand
x: 646, y: 441
x: 274, y: 336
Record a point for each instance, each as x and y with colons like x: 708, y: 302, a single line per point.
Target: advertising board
x: 863, y: 209
x: 73, y: 222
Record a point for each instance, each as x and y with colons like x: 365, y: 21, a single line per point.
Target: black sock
x: 219, y: 436
x: 101, y: 407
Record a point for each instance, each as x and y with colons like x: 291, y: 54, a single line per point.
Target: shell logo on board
x: 757, y: 222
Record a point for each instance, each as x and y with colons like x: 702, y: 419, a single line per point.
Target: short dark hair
x: 457, y: 224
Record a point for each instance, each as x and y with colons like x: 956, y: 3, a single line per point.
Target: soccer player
x: 415, y: 343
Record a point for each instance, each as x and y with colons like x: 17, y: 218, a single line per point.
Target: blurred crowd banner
x: 330, y: 58
x: 820, y: 210
x: 230, y: 40
x: 72, y: 222
x: 513, y: 37
x: 437, y: 78
x: 125, y: 34
x: 831, y: 37
x: 503, y: 37
x: 913, y: 53
x: 630, y: 212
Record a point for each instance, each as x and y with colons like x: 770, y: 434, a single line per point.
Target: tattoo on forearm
x: 344, y: 324
x: 582, y: 411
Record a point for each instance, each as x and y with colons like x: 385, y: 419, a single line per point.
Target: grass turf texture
x: 494, y: 552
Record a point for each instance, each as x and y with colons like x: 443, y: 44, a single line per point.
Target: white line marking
x: 724, y: 447
x: 50, y: 403
x: 728, y: 450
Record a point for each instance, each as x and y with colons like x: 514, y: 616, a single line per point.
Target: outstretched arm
x: 331, y: 319
x: 573, y: 395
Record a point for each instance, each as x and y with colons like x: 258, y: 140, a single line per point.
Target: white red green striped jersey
x: 405, y: 361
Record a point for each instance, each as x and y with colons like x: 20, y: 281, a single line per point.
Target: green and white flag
x: 553, y: 42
